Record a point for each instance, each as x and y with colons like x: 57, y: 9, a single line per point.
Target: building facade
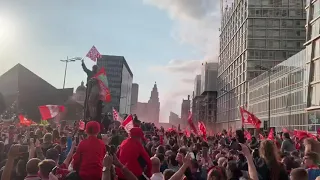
x: 154, y: 105
x: 149, y: 111
x: 120, y: 83
x: 288, y: 94
x: 141, y: 111
x: 254, y: 34
x: 27, y: 91
x: 207, y: 101
x: 197, y: 110
x: 313, y: 63
x: 134, y: 97
x: 197, y: 85
x: 185, y: 109
x: 174, y: 119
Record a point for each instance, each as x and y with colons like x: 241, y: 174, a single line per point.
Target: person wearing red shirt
x: 133, y: 155
x: 87, y: 160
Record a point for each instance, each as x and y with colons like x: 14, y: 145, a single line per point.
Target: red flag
x: 81, y: 125
x: 203, y: 130
x: 285, y: 130
x: 93, y: 54
x: 271, y: 134
x: 191, y: 124
x: 25, y: 121
x: 128, y: 123
x: 116, y: 115
x: 247, y: 135
x: 249, y: 118
x: 261, y: 137
x: 101, y: 76
x: 50, y: 111
x: 187, y: 132
x: 300, y: 134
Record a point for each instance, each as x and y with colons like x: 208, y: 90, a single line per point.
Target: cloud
x: 197, y: 24
x: 179, y: 66
x: 187, y: 81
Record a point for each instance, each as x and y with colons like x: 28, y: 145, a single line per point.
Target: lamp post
x: 269, y: 91
x: 66, y: 67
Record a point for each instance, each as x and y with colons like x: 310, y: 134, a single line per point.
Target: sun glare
x: 6, y: 29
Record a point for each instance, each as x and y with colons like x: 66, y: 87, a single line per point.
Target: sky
x: 163, y: 41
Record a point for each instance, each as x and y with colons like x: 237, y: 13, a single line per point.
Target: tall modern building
x: 255, y: 35
x: 197, y: 104
x: 313, y: 62
x: 134, y: 97
x: 208, y: 91
x: 149, y: 111
x: 154, y: 105
x: 185, y: 108
x: 288, y: 97
x: 197, y: 85
x: 120, y: 83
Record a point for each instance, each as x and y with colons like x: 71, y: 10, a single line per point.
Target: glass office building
x: 120, y: 79
x: 288, y: 94
x: 254, y: 33
x: 313, y: 63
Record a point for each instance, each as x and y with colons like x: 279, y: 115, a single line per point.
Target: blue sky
x: 39, y: 33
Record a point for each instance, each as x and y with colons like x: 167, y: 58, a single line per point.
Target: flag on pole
x: 101, y: 76
x: 50, y: 111
x: 203, y: 130
x: 271, y: 135
x: 191, y: 124
x: 249, y: 118
x: 93, y: 54
x: 116, y: 115
x: 128, y: 123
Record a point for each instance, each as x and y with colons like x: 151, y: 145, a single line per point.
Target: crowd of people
x: 147, y: 152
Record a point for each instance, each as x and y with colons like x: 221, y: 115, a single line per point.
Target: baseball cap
x: 92, y: 127
x: 137, y: 132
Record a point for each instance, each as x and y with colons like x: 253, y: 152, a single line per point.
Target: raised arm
x: 84, y: 67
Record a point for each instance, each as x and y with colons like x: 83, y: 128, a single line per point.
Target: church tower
x: 154, y: 105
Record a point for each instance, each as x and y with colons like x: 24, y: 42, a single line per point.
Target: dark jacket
x: 287, y: 146
x: 89, y: 73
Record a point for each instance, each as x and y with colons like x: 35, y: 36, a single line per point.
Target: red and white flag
x: 191, y: 124
x: 128, y: 123
x: 203, y: 130
x: 101, y: 76
x: 249, y: 118
x: 82, y: 125
x: 50, y: 111
x: 116, y: 115
x: 93, y: 54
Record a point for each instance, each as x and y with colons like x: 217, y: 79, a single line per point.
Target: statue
x: 92, y: 103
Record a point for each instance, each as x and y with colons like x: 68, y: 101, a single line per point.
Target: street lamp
x: 65, y: 69
x: 269, y: 89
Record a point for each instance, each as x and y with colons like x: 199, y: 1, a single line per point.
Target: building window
x: 315, y: 96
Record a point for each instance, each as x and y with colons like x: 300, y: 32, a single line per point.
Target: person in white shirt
x: 156, y: 174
